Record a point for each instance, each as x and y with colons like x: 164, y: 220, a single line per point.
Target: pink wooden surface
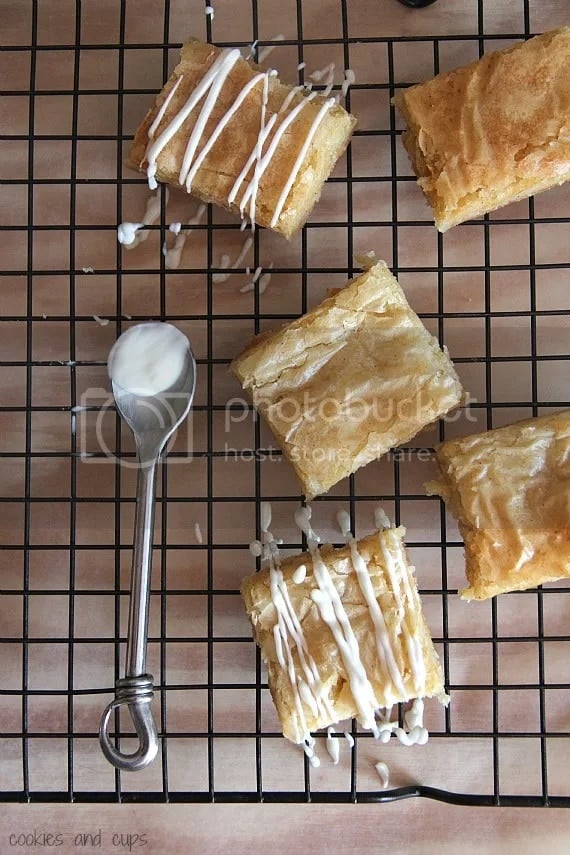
x: 462, y: 763
x: 413, y: 827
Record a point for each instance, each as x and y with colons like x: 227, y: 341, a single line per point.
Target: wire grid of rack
x: 76, y: 77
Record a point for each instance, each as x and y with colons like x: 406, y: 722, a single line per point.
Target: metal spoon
x: 153, y: 420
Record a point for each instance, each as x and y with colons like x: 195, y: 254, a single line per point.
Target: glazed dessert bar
x: 493, y: 132
x: 355, y: 377
x: 230, y: 133
x: 510, y: 491
x: 342, y: 632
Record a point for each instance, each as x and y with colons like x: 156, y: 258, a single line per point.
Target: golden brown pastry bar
x: 345, y: 383
x: 410, y: 675
x: 493, y: 132
x: 509, y: 489
x: 308, y: 137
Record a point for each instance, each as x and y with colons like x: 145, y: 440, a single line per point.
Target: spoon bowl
x: 153, y: 419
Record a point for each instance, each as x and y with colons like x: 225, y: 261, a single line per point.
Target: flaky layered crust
x: 492, y: 132
x: 353, y: 378
x: 510, y: 491
x: 320, y: 641
x: 215, y: 178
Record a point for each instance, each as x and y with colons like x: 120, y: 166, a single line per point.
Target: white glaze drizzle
x: 135, y: 233
x: 414, y: 733
x: 397, y: 572
x: 198, y: 533
x: 257, y: 278
x: 266, y: 51
x: 381, y: 520
x: 300, y: 157
x: 383, y: 643
x: 103, y: 322
x: 126, y: 232
x: 266, y: 159
x: 385, y: 726
x: 164, y: 107
x: 333, y: 746
x: 300, y: 574
x: 213, y: 81
x: 254, y: 183
x: 151, y: 168
x: 307, y: 689
x: 318, y: 74
x: 174, y: 254
x: 218, y: 73
x: 252, y: 49
x: 191, y: 173
x: 210, y: 12
x: 349, y: 738
x: 264, y: 281
x: 256, y: 548
x: 174, y: 228
x: 88, y: 270
x: 349, y: 79
x: 301, y: 66
x: 217, y: 278
x: 210, y: 86
x: 383, y: 774
x: 331, y: 609
x: 278, y: 645
x: 326, y: 75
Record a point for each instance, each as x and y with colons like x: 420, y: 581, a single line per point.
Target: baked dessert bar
x: 345, y: 383
x: 342, y: 632
x: 509, y: 489
x: 232, y: 134
x: 493, y: 132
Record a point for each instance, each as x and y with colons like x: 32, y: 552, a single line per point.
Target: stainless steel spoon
x: 153, y: 420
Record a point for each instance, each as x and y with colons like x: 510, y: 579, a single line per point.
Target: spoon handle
x: 136, y: 688
x: 141, y: 569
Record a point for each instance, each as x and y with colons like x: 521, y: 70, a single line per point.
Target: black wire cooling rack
x: 76, y: 77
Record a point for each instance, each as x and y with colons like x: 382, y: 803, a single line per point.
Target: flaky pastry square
x: 381, y: 603
x: 492, y: 132
x: 259, y: 147
x: 509, y: 489
x: 351, y: 379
